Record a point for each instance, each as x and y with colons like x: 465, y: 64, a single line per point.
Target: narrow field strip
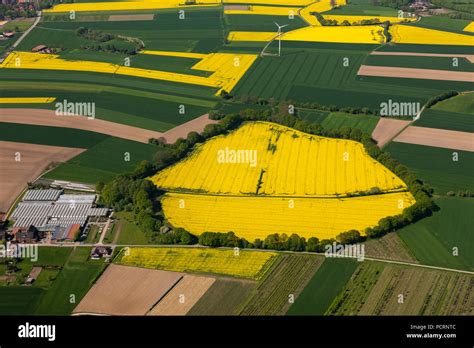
x: 175, y: 54
x: 49, y: 118
x: 438, y: 138
x: 469, y: 57
x: 37, y: 100
x: 227, y: 68
x: 413, y: 73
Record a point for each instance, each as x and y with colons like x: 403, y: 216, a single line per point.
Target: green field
x: 19, y: 300
x: 363, y: 8
x: 436, y: 167
x: 463, y: 103
x: 72, y: 284
x: 320, y: 75
x: 436, y: 118
x: 325, y: 285
x: 288, y: 277
x: 365, y: 123
x: 103, y: 161
x: 224, y: 297
x: 313, y: 116
x: 439, y: 63
x: 432, y: 239
x: 442, y: 23
x: 130, y: 233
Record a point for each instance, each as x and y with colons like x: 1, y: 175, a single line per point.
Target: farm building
x: 51, y: 211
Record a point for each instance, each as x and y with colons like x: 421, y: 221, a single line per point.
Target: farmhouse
x: 63, y: 215
x: 41, y: 49
x: 101, y: 252
x: 8, y: 34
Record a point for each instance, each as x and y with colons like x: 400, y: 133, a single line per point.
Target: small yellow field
x: 469, y: 27
x: 245, y: 264
x: 285, y: 161
x: 257, y: 217
x: 368, y: 34
x: 227, y: 68
x: 414, y: 35
x: 39, y: 100
x: 321, y: 6
x: 126, y: 5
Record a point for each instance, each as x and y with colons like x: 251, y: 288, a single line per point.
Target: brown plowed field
x: 386, y: 129
x: 469, y: 57
x: 413, y: 73
x: 183, y: 296
x: 43, y: 117
x: 181, y: 131
x: 34, y: 159
x: 438, y: 138
x: 124, y: 290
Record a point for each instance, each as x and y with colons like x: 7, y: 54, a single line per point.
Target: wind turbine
x: 279, y: 36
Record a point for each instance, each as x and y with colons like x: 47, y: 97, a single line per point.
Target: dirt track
x: 124, y: 290
x: 412, y: 73
x: 469, y: 57
x: 438, y: 138
x: 181, y: 131
x: 34, y: 159
x: 43, y: 117
x: 386, y: 129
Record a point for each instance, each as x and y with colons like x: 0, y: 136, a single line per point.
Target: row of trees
x: 107, y: 42
x: 277, y: 241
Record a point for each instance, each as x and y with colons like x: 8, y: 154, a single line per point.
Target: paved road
x: 20, y: 39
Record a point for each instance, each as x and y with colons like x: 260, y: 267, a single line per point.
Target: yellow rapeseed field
x: 285, y: 162
x: 126, y: 5
x: 257, y: 217
x: 320, y: 6
x: 245, y: 264
x: 469, y: 27
x: 21, y: 100
x: 370, y: 34
x: 228, y: 68
x: 415, y: 35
